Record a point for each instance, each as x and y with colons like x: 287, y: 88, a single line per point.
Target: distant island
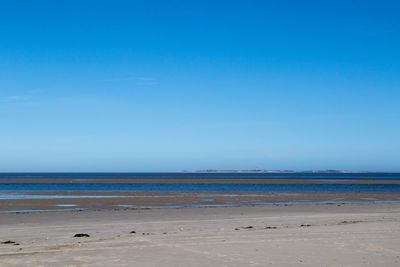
x: 272, y: 171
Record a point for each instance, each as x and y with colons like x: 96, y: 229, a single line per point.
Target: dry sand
x: 305, y: 235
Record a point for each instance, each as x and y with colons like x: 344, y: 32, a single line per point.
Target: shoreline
x: 131, y: 200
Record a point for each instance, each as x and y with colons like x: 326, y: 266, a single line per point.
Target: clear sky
x: 173, y: 85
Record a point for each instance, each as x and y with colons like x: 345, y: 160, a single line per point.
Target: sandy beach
x: 268, y: 235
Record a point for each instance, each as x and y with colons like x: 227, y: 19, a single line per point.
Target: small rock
x: 81, y: 235
x: 133, y: 232
x: 8, y: 242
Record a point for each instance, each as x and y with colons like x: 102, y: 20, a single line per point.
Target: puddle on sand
x: 125, y: 206
x: 44, y: 210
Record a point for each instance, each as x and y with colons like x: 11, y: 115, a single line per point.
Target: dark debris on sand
x: 245, y: 227
x: 349, y: 222
x: 10, y: 242
x: 81, y: 235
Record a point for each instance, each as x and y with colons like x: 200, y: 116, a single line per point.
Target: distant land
x: 278, y: 171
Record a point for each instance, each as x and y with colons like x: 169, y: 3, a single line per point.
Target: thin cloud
x: 143, y: 79
x: 148, y: 83
x: 38, y: 91
x: 15, y: 98
x: 244, y: 124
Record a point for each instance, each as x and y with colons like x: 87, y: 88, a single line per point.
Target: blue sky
x: 173, y: 85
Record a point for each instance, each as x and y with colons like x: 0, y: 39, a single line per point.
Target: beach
x: 347, y: 234
x: 173, y: 219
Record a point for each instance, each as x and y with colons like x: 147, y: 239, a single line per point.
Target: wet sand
x: 124, y: 200
x: 294, y: 235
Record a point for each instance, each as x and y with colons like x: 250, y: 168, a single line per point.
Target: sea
x: 324, y: 182
x: 26, y: 187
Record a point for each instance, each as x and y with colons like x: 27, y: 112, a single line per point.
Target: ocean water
x: 203, y: 187
x: 193, y: 187
x: 170, y: 175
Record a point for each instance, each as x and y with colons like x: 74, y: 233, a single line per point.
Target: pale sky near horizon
x: 174, y: 85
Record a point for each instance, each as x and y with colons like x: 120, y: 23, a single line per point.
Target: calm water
x: 205, y: 187
x: 189, y: 187
x: 308, y: 176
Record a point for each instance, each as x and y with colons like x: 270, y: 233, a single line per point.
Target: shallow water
x: 304, y: 202
x: 194, y: 187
